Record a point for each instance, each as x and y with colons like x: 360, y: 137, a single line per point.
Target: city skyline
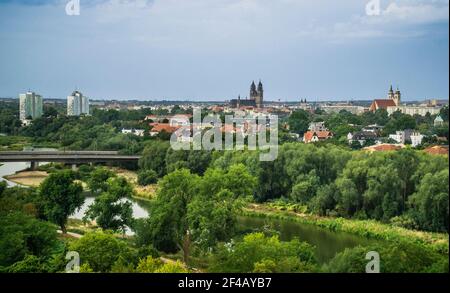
x: 210, y: 50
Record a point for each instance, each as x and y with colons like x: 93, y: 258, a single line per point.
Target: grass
x: 367, y: 228
x: 13, y: 143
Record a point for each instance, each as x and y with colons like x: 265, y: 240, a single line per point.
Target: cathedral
x: 255, y: 100
x: 393, y: 100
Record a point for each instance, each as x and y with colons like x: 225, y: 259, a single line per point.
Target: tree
x: 212, y: 218
x: 299, y: 121
x: 260, y: 253
x: 110, y: 209
x: 394, y: 258
x: 60, y: 197
x: 305, y: 188
x: 444, y: 113
x: 147, y: 177
x: 193, y: 209
x: 430, y: 204
x: 97, y: 181
x: 154, y: 156
x: 2, y: 187
x: 324, y: 201
x: 23, y: 235
x: 101, y: 250
x: 168, y: 223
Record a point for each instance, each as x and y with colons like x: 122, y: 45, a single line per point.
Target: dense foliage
x: 60, y: 197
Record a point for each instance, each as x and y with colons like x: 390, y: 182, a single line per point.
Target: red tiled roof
x: 383, y: 148
x: 320, y: 135
x: 159, y: 127
x: 382, y: 104
x: 229, y: 128
x: 437, y: 150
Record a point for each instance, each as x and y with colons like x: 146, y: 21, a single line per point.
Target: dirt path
x: 71, y: 234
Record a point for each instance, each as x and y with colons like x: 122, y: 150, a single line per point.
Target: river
x: 327, y: 243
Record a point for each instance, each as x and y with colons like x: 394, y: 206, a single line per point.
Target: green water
x: 327, y: 243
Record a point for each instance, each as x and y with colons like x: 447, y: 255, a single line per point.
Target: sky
x: 211, y: 50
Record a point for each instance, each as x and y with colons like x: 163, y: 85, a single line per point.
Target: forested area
x: 406, y: 187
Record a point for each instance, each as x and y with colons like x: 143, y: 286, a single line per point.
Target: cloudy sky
x: 213, y: 49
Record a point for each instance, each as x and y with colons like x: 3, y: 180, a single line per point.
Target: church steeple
x: 253, y: 92
x: 260, y: 87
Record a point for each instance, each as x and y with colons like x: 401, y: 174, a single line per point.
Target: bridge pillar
x: 74, y: 167
x: 34, y: 166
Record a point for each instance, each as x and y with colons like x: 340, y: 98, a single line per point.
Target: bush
x: 153, y: 265
x: 259, y: 253
x: 394, y: 258
x: 101, y: 250
x: 147, y: 177
x: 404, y: 221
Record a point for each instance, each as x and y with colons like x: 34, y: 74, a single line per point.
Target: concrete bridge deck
x: 69, y: 157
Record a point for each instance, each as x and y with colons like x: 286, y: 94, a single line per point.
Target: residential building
x: 362, y: 137
x: 336, y: 108
x: 317, y: 126
x: 77, y: 104
x: 315, y: 136
x: 416, y: 139
x: 30, y: 106
x: 401, y: 136
x: 413, y: 110
x: 137, y: 132
x: 375, y: 128
x: 162, y: 127
x: 438, y: 121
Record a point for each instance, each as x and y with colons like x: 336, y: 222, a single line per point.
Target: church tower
x: 391, y: 93
x: 253, y: 92
x: 397, y: 97
x: 260, y: 95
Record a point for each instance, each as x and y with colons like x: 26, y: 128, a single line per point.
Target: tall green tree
x: 430, y: 203
x: 23, y: 235
x: 154, y: 157
x: 111, y: 210
x: 299, y: 121
x: 60, y: 197
x: 97, y: 181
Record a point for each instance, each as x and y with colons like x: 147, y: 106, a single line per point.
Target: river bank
x: 28, y: 178
x: 371, y: 229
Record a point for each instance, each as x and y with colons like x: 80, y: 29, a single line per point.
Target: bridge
x: 68, y: 157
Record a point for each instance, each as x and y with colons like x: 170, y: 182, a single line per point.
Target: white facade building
x: 357, y: 110
x: 137, y: 132
x: 416, y: 139
x: 414, y: 110
x: 317, y: 126
x: 30, y: 106
x: 77, y: 104
x: 438, y: 121
x: 407, y: 135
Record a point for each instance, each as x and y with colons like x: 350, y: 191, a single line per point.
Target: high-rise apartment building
x: 30, y: 106
x: 77, y: 104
